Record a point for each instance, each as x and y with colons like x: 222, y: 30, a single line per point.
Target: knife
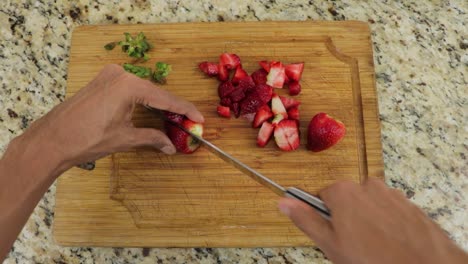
x: 291, y: 192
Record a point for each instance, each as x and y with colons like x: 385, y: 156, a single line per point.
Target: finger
x: 149, y: 94
x: 338, y: 191
x: 151, y: 137
x: 307, y: 219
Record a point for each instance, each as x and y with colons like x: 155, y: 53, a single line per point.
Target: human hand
x: 96, y: 121
x: 372, y: 223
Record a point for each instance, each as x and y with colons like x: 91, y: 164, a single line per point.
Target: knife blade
x: 292, y: 192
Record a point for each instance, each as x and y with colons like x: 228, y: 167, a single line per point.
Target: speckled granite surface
x: 421, y: 62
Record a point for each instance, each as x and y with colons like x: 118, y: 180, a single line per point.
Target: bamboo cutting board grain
x: 146, y: 199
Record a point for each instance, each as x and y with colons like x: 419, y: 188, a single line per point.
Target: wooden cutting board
x: 146, y: 199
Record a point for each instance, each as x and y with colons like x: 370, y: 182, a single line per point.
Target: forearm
x: 27, y: 169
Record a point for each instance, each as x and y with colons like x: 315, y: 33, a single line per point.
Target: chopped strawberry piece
x: 293, y: 113
x: 226, y: 101
x: 286, y: 79
x: 289, y: 102
x: 223, y: 111
x: 278, y: 118
x: 262, y: 115
x: 294, y: 71
x: 209, y: 68
x: 231, y: 61
x: 265, y: 65
x: 276, y: 76
x: 264, y: 92
x: 238, y: 94
x: 287, y: 135
x: 277, y: 106
x: 247, y: 84
x: 239, y: 74
x: 259, y: 76
x: 225, y: 89
x: 223, y: 73
x: 235, y: 108
x: 250, y: 104
x: 294, y: 88
x: 264, y: 134
x: 177, y: 118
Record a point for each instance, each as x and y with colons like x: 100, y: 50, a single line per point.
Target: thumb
x: 152, y: 137
x: 308, y: 220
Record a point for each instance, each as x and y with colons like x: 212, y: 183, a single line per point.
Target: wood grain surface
x: 146, y: 199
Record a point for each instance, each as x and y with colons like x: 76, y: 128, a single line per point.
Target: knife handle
x: 309, y: 199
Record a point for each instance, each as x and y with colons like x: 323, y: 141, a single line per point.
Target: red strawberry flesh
x: 264, y: 134
x: 182, y: 140
x: 209, y: 68
x: 225, y: 89
x: 276, y: 76
x: 294, y: 88
x: 223, y: 73
x: 265, y: 65
x: 287, y: 135
x: 293, y: 113
x: 259, y: 76
x: 324, y: 132
x: 231, y: 61
x: 223, y: 111
x: 262, y: 115
x: 239, y: 74
x: 289, y: 102
x: 294, y: 71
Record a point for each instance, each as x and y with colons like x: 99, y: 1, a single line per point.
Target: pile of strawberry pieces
x: 252, y: 97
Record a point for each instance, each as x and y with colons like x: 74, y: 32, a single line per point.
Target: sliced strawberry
x: 294, y: 71
x: 223, y: 73
x: 177, y: 118
x: 289, y: 102
x: 238, y: 94
x: 262, y: 115
x: 239, y: 74
x: 264, y: 92
x: 235, y: 108
x: 294, y: 88
x: 250, y: 104
x: 265, y: 65
x: 287, y: 135
x: 278, y: 118
x: 286, y: 79
x: 223, y: 111
x: 225, y: 89
x: 264, y: 134
x: 259, y: 76
x: 231, y: 61
x: 277, y: 106
x: 209, y: 68
x: 225, y: 101
x: 293, y: 113
x: 181, y: 139
x: 276, y: 76
x: 247, y: 84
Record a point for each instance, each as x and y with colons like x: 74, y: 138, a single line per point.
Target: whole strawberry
x: 324, y: 132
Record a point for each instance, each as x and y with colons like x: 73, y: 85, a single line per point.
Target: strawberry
x: 177, y: 118
x: 181, y: 139
x: 250, y: 104
x: 324, y: 132
x: 264, y: 134
x: 235, y: 108
x: 223, y: 111
x: 209, y: 68
x: 225, y: 89
x: 264, y: 92
x: 238, y: 94
x: 276, y: 76
x: 223, y: 73
x: 287, y: 135
x: 294, y: 88
x: 259, y: 76
x: 265, y: 65
x: 278, y: 118
x: 247, y: 84
x: 294, y: 71
x: 277, y: 106
x: 225, y: 101
x: 289, y: 102
x: 262, y: 115
x: 231, y: 61
x: 293, y: 113
x: 239, y: 74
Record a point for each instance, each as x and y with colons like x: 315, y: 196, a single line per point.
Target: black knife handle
x: 309, y: 199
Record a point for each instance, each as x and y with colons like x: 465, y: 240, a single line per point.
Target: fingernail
x: 168, y: 150
x: 284, y: 209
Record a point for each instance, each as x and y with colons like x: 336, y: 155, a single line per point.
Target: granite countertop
x: 421, y: 59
